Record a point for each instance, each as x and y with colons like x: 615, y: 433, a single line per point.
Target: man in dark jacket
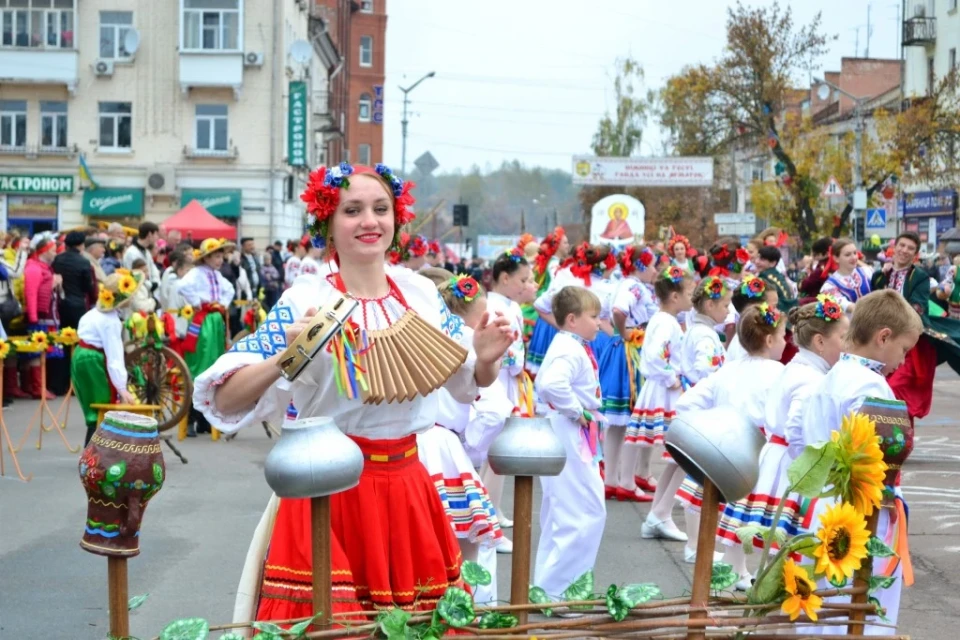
x: 78, y: 282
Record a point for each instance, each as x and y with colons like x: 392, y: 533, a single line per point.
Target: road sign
x: 739, y: 229
x: 876, y: 218
x: 735, y: 218
x: 426, y: 163
x: 832, y: 189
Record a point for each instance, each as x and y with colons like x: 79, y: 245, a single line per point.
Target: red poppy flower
x: 646, y: 257
x: 468, y: 288
x: 417, y: 247
x: 742, y: 256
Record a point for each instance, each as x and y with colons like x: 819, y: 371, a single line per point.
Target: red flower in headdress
x: 417, y: 246
x: 434, y: 247
x: 675, y: 240
x: 647, y: 257
x: 722, y: 254
x: 743, y: 257
x: 610, y: 261
x: 548, y: 249
x: 719, y: 272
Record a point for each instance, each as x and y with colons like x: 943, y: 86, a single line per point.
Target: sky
x: 530, y: 79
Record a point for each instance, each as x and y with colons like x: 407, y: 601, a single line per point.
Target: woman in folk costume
x: 632, y: 307
x: 851, y: 280
x: 313, y: 264
x: 882, y: 330
x: 654, y: 410
x: 40, y: 288
x: 744, y: 385
x: 392, y: 540
x: 555, y: 274
x: 531, y: 250
x: 678, y: 248
x: 97, y: 367
x: 603, y: 261
x: 293, y: 265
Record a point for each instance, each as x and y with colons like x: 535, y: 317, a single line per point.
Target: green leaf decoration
x: 268, y: 627
x: 804, y: 545
x: 779, y: 536
x: 299, y: 630
x: 722, y: 577
x: 747, y: 533
x: 108, y: 489
x: 878, y: 583
x: 186, y: 629
x: 769, y: 586
x: 494, y: 620
x: 839, y: 584
x: 881, y: 610
x: 581, y: 589
x: 268, y: 636
x: 809, y: 472
x: 393, y: 623
x: 616, y: 607
x: 634, y: 594
x: 456, y: 607
x: 537, y: 595
x: 116, y: 471
x: 136, y: 601
x: 877, y: 548
x: 475, y: 575
x: 157, y: 473
x: 232, y: 636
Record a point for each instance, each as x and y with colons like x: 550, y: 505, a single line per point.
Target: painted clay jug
x: 121, y: 469
x: 895, y: 431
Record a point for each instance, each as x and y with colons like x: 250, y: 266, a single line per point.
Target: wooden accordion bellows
x: 408, y: 358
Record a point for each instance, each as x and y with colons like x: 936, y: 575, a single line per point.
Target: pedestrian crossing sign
x: 876, y: 218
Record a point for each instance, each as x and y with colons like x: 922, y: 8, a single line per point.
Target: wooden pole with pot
x: 703, y: 569
x: 522, y: 534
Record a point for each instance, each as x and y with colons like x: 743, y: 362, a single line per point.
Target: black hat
x: 92, y: 240
x: 74, y: 239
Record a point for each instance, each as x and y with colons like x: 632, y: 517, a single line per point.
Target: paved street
x: 197, y: 529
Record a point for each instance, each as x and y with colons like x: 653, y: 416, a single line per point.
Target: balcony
x: 39, y: 65
x: 919, y: 31
x: 194, y: 153
x: 34, y: 151
x: 205, y: 69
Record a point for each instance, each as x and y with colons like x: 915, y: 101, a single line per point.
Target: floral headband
x: 674, y: 274
x: 770, y: 317
x: 828, y: 308
x: 465, y: 287
x: 714, y: 287
x: 752, y: 287
x: 322, y: 197
x: 515, y: 254
x: 678, y: 239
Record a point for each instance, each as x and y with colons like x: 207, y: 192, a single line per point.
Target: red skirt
x: 392, y: 544
x: 912, y: 382
x: 790, y: 350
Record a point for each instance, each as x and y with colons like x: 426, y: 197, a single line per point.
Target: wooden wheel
x: 160, y: 376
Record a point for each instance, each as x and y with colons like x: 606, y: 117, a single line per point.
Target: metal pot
x: 527, y: 447
x: 312, y: 459
x: 720, y: 444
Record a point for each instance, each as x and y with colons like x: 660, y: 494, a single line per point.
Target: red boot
x: 11, y: 386
x: 35, y: 383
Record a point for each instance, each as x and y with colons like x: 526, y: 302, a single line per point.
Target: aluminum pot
x: 720, y: 444
x: 313, y: 458
x: 527, y: 447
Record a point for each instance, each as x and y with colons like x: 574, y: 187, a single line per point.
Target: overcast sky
x: 529, y: 79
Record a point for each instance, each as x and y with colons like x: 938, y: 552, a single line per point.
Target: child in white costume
x: 751, y: 290
x: 573, y: 512
x: 881, y: 332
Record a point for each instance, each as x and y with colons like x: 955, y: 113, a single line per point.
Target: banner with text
x: 297, y: 125
x: 643, y: 172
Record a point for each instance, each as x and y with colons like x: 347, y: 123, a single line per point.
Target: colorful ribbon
x: 347, y: 345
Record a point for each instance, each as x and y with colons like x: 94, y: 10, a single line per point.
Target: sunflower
x: 105, y: 299
x: 68, y: 335
x: 39, y: 338
x: 186, y: 312
x: 126, y: 285
x: 859, y: 469
x: 4, y: 349
x: 800, y: 589
x: 843, y: 539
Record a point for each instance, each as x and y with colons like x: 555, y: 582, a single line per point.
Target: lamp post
x: 406, y: 101
x: 823, y: 92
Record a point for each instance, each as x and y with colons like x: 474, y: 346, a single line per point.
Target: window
x: 212, y: 127
x: 114, y: 27
x: 366, y: 6
x: 363, y: 154
x: 37, y: 23
x: 366, y: 51
x: 365, y: 106
x: 116, y: 125
x: 53, y: 125
x: 211, y: 24
x: 13, y: 123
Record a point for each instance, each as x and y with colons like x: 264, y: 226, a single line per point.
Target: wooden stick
x: 322, y: 569
x: 703, y: 570
x: 862, y: 579
x: 522, y: 526
x: 118, y: 597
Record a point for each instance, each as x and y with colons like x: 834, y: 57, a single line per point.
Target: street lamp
x: 406, y: 101
x: 823, y: 92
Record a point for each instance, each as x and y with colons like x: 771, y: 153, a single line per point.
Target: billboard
x: 489, y: 247
x: 617, y: 220
x: 643, y: 172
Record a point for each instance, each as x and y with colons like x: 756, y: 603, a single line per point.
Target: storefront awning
x: 105, y: 202
x: 222, y: 203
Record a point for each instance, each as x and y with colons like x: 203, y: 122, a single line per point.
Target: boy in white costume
x: 573, y: 512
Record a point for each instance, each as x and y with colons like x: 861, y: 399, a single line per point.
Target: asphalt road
x: 197, y: 529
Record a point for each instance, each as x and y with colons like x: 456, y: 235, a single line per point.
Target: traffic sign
x: 737, y: 229
x: 832, y: 189
x: 735, y: 218
x: 876, y: 218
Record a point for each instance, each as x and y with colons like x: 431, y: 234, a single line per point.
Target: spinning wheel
x: 159, y: 376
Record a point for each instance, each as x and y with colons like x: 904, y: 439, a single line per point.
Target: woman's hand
x: 298, y: 327
x: 493, y: 337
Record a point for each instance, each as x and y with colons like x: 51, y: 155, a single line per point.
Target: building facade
x: 127, y: 115
x: 931, y: 39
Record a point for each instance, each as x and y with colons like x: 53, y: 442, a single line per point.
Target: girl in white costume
x: 751, y: 290
x: 851, y: 280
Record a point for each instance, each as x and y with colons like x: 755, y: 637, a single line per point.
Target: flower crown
x: 548, y: 249
x: 675, y: 240
x: 714, y: 287
x: 322, y: 197
x: 828, y: 308
x: 407, y: 246
x: 752, y: 287
x: 636, y: 259
x: 770, y: 317
x: 515, y: 254
x: 465, y: 287
x: 674, y: 274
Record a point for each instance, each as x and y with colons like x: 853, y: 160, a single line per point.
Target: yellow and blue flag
x: 85, y: 173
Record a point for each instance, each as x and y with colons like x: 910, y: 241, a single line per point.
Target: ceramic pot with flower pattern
x: 121, y: 470
x: 896, y: 433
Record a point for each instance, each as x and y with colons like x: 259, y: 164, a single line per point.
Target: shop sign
x: 113, y: 202
x: 223, y: 203
x: 15, y: 183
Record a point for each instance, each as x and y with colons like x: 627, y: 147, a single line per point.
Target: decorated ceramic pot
x: 895, y: 431
x: 121, y: 469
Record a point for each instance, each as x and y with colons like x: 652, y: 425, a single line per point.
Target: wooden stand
x: 322, y: 563
x: 63, y: 413
x: 522, y: 527
x: 703, y: 569
x: 118, y: 597
x: 44, y: 411
x: 5, y: 441
x: 862, y: 579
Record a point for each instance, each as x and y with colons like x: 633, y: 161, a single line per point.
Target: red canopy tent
x: 196, y: 223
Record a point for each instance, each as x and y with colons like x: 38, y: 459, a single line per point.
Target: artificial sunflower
x: 127, y: 285
x: 800, y: 588
x: 105, y: 299
x: 39, y: 338
x: 843, y: 539
x: 4, y: 349
x: 859, y: 469
x: 68, y: 335
x: 186, y: 312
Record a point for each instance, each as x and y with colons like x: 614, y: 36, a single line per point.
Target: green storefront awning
x: 113, y: 202
x: 223, y: 203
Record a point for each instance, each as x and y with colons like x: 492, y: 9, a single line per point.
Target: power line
x: 455, y: 145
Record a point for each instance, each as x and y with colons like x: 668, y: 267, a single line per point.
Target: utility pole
x: 403, y: 123
x: 733, y: 178
x: 869, y: 32
x: 858, y: 166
